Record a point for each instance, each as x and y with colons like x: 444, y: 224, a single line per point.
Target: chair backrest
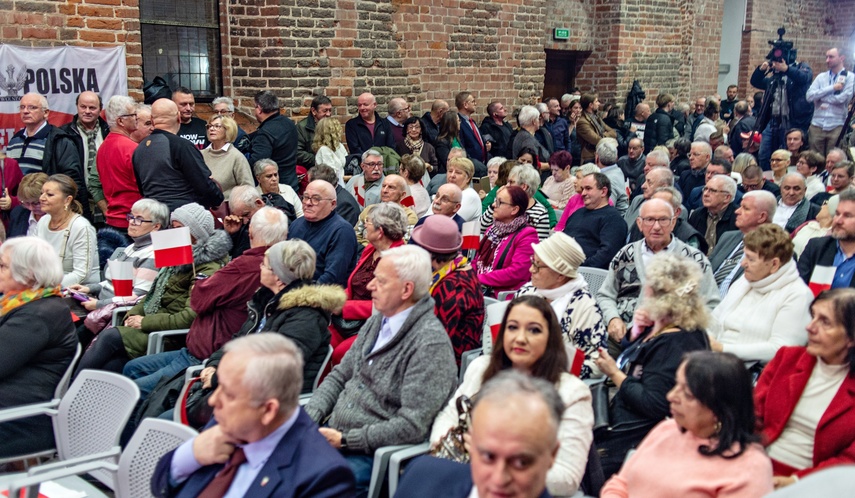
x: 506, y: 295
x: 152, y: 439
x: 320, y: 374
x: 492, y: 322
x: 595, y: 278
x: 62, y: 387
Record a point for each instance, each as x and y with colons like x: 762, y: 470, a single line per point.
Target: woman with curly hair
x: 328, y: 147
x: 667, y: 324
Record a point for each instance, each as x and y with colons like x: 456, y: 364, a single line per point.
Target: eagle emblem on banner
x: 13, y: 85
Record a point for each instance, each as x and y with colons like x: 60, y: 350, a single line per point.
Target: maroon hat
x: 438, y: 234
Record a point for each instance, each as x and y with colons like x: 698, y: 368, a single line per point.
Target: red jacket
x: 778, y: 391
x: 360, y: 309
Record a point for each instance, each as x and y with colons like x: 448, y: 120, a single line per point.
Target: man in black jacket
x: 497, y: 130
x: 742, y: 123
x: 88, y: 131
x: 430, y: 120
x: 321, y: 108
x: 659, y: 128
x: 275, y: 138
x: 828, y: 261
x: 367, y: 130
x: 717, y: 215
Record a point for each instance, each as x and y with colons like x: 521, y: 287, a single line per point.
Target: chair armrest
x: 47, y: 408
x: 102, y: 457
x: 119, y: 313
x: 26, y: 482
x: 381, y: 463
x: 400, y: 457
x: 192, y: 372
x: 155, y: 339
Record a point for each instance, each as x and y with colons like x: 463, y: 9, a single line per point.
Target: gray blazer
x: 725, y: 246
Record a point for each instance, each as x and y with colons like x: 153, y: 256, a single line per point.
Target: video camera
x: 782, y: 50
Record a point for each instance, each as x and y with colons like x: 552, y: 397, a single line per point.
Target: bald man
x: 393, y: 189
x: 367, y: 129
x: 430, y: 120
x: 89, y: 131
x: 170, y: 169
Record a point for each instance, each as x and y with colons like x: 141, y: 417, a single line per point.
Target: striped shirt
x: 29, y: 151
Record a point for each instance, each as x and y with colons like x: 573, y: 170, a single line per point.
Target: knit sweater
x: 389, y: 396
x: 77, y: 249
x: 690, y: 474
x: 620, y: 293
x: 335, y: 247
x: 228, y: 167
x: 118, y: 182
x: 537, y: 216
x: 141, y: 253
x: 756, y: 318
x: 574, y: 429
x: 600, y: 232
x: 559, y: 193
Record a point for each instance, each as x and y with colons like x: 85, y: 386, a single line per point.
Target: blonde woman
x: 228, y: 166
x: 328, y: 147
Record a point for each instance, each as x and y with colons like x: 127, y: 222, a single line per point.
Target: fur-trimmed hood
x: 215, y: 248
x: 329, y: 298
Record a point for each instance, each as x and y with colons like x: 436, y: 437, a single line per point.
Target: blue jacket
x: 302, y: 465
x: 560, y: 138
x: 470, y: 142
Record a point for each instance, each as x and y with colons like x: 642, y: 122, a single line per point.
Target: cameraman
x: 784, y: 104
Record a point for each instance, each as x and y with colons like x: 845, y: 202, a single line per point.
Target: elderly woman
x: 554, y: 276
x: 38, y: 339
x: 229, y: 168
x: 493, y: 166
x: 412, y: 170
x: 575, y: 202
x: 501, y: 179
x: 459, y: 172
x: 328, y: 147
x: 504, y: 254
x: 26, y: 215
x: 530, y: 341
x: 446, y: 139
x: 455, y: 287
x: 708, y: 445
x: 267, y: 174
x: 414, y: 144
x: 805, y: 398
x: 70, y: 234
x: 820, y: 227
x: 528, y: 179
x: 767, y: 307
x: 529, y: 121
x: 667, y: 324
x: 561, y: 185
x: 167, y: 305
x: 780, y: 163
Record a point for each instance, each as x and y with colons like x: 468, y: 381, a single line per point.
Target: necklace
x: 56, y: 226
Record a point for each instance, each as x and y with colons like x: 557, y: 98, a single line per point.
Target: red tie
x: 478, y: 138
x: 223, y: 480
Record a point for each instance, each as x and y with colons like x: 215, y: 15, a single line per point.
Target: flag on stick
x: 172, y: 247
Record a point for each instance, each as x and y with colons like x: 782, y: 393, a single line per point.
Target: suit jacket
x: 429, y: 477
x: 698, y: 220
x: 470, y: 142
x: 805, y: 211
x: 723, y: 247
x: 778, y: 391
x: 303, y: 464
x: 818, y: 252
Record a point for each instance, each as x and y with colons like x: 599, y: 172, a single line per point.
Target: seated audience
x: 447, y: 203
x: 38, y: 340
x: 840, y: 178
x: 561, y: 185
x: 820, y: 227
x: 794, y: 208
x: 460, y: 171
x: 345, y: 205
x: 669, y: 323
x: 753, y: 179
x: 810, y: 164
x: 530, y: 342
x: 652, y: 180
x: 528, y: 179
x: 767, y: 307
x: 365, y: 187
x: 805, y: 398
x: 24, y: 218
x: 709, y: 445
x: 412, y: 170
x: 716, y: 216
x: 267, y: 176
x: 575, y: 202
x: 504, y: 169
x: 554, y: 276
x: 393, y: 191
x: 826, y: 261
x: 780, y: 163
x: 599, y: 228
x: 493, y: 166
x: 229, y: 167
x: 682, y: 230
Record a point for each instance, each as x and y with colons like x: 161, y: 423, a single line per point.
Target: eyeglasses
x: 224, y: 112
x: 445, y: 199
x: 751, y: 186
x: 30, y: 108
x: 499, y: 203
x: 313, y: 200
x: 649, y: 222
x: 137, y: 220
x: 129, y: 116
x: 214, y: 127
x: 372, y: 165
x: 30, y: 204
x: 536, y: 266
x: 714, y: 191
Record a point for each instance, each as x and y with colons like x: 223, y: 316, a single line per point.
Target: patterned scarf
x: 446, y: 270
x: 415, y: 146
x: 494, y: 237
x: 152, y: 302
x: 11, y: 301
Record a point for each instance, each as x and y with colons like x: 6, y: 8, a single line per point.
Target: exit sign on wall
x: 561, y: 33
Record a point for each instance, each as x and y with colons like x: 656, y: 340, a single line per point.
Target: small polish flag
x: 122, y: 275
x: 408, y: 201
x: 495, y: 312
x: 471, y: 232
x: 577, y: 359
x: 821, y: 279
x: 172, y: 247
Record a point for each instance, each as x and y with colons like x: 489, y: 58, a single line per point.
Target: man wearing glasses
x: 332, y: 238
x: 620, y: 293
x: 718, y: 212
x: 753, y: 179
x: 366, y: 187
x: 115, y: 159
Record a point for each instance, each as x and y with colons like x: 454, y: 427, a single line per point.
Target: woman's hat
x: 438, y: 234
x: 561, y: 253
x: 198, y: 219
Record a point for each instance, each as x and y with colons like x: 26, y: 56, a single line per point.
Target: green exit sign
x: 561, y: 33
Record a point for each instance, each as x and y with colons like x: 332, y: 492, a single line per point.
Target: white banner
x: 60, y: 74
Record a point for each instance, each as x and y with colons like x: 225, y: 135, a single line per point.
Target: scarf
x: 562, y: 291
x: 494, y: 237
x: 446, y: 270
x: 151, y: 304
x: 10, y: 302
x: 780, y: 105
x: 415, y: 146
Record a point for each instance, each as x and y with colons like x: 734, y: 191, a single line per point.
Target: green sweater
x: 538, y: 196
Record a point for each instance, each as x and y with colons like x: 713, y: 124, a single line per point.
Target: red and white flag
x: 821, y: 279
x: 172, y: 247
x: 577, y: 359
x: 122, y: 275
x: 495, y: 313
x: 408, y: 201
x: 471, y: 232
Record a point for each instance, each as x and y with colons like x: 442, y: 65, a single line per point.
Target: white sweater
x: 756, y: 318
x: 78, y: 254
x: 575, y: 432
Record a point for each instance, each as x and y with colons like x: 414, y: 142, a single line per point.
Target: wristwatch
x: 343, y: 442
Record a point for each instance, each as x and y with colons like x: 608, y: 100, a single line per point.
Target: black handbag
x: 600, y: 400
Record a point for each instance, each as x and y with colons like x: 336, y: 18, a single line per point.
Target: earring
x: 717, y: 427
x: 66, y: 207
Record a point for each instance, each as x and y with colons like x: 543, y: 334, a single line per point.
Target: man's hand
x: 232, y: 223
x: 617, y: 329
x: 765, y: 66
x: 102, y: 205
x: 90, y: 305
x: 134, y: 321
x: 780, y: 66
x: 838, y: 87
x: 488, y: 145
x: 213, y: 446
x: 332, y: 436
x: 5, y: 201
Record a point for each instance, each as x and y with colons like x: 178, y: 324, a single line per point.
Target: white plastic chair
x: 380, y: 468
x: 119, y: 314
x: 466, y: 360
x: 132, y: 475
x: 595, y: 278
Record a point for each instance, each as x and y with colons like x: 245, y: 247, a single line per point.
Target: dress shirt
x: 783, y: 213
x: 390, y: 327
x: 647, y: 252
x: 829, y: 108
x: 844, y: 269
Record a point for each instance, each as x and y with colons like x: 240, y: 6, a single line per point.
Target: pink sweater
x: 668, y: 464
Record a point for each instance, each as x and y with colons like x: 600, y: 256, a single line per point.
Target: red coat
x: 778, y: 391
x: 360, y: 309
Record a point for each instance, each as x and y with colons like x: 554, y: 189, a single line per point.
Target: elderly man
x: 43, y: 147
x: 700, y: 156
x: 470, y: 135
x: 497, y: 130
x: 321, y: 108
x: 619, y: 295
x: 716, y: 167
x: 367, y: 130
x: 192, y: 128
x: 170, y: 169
x: 717, y: 214
x: 394, y: 189
x: 794, y: 208
x: 219, y: 302
x: 515, y: 417
x: 244, y: 202
x: 598, y: 228
x: 757, y: 207
x: 830, y: 93
x: 275, y: 138
x: 682, y: 230
x: 225, y: 107
x: 89, y: 131
x: 398, y: 111
x: 590, y: 128
x: 365, y: 188
x: 827, y: 262
x: 655, y: 178
x: 656, y: 158
x: 399, y: 373
x: 606, y: 159
x: 116, y: 169
x: 632, y: 164
x: 346, y: 205
x: 430, y: 120
x: 269, y: 446
x: 447, y: 203
x: 833, y: 157
x: 330, y: 236
x: 753, y: 179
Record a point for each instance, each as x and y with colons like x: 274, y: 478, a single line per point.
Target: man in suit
x: 828, y: 261
x: 757, y: 207
x: 794, y: 208
x: 717, y: 214
x: 515, y: 418
x: 470, y: 135
x: 263, y: 443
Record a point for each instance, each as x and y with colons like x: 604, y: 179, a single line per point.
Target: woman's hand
x: 782, y: 481
x: 715, y: 345
x: 606, y: 363
x: 206, y: 375
x: 642, y: 319
x: 90, y: 305
x: 79, y: 288
x: 134, y: 321
x: 482, y: 194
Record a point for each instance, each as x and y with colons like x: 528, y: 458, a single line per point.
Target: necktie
x: 710, y: 235
x: 223, y: 480
x: 477, y: 137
